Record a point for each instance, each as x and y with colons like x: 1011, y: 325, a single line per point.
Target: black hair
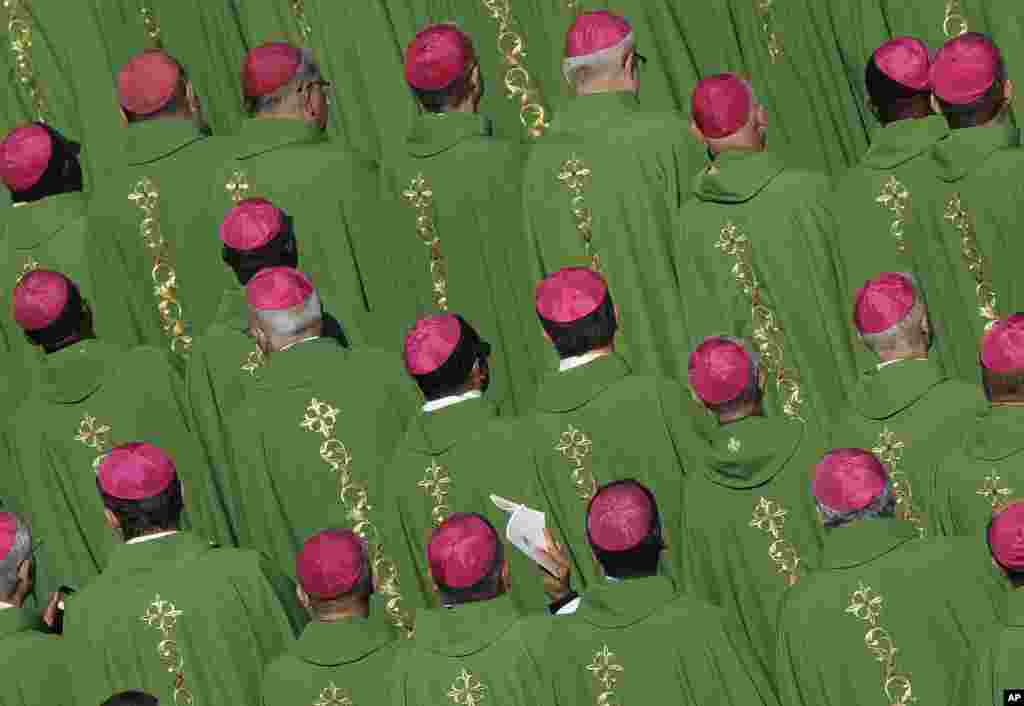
x: 1015, y: 577
x: 73, y: 323
x: 282, y: 250
x: 452, y: 375
x: 484, y: 589
x: 1001, y: 386
x: 132, y: 698
x: 441, y: 99
x: 641, y: 560
x: 138, y: 517
x: 595, y: 330
x: 964, y: 116
x: 891, y: 99
x: 63, y: 174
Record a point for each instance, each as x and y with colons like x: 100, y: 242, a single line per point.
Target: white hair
x: 19, y: 552
x: 289, y: 322
x: 599, y: 58
x: 901, y: 333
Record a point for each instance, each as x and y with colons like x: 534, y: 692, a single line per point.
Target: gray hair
x: 289, y: 322
x: 900, y: 334
x: 882, y: 506
x: 598, y: 59
x: 19, y: 552
x: 308, y: 70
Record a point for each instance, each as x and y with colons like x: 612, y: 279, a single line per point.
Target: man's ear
x: 191, y: 99
x: 695, y: 131
x: 505, y: 576
x: 112, y: 521
x: 935, y: 105
x: 303, y: 597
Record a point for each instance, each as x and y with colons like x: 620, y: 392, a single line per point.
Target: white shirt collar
x: 897, y: 360
x: 5, y: 606
x: 295, y: 343
x: 147, y: 537
x: 579, y: 360
x: 443, y: 402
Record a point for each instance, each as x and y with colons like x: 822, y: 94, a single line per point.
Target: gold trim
x: 895, y: 197
x: 954, y: 17
x: 974, y: 258
x: 152, y: 26
x: 334, y: 696
x: 471, y: 692
x: 766, y: 16
x: 574, y: 174
x: 867, y: 606
x: 576, y: 446
x: 420, y: 197
x: 146, y: 196
x: 995, y: 492
x: 890, y: 452
x: 770, y: 517
x: 95, y: 435
x: 518, y: 84
x: 19, y: 29
x: 435, y: 484
x: 298, y: 8
x: 31, y: 265
x: 254, y: 361
x: 163, y: 616
x: 604, y: 667
x: 237, y: 186
x: 321, y: 418
x: 767, y: 334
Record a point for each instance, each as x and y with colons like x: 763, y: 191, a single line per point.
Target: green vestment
x: 921, y: 605
x: 750, y: 524
x: 912, y: 416
x: 226, y: 612
x: 91, y: 397
x: 477, y: 215
x: 482, y: 650
x: 639, y: 637
x: 623, y: 172
x: 754, y: 221
x: 983, y: 469
x: 34, y: 666
x: 996, y: 668
x: 350, y: 658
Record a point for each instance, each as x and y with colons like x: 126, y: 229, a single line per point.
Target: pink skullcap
x: 594, y: 31
x: 268, y: 67
x: 906, y: 61
x: 40, y: 298
x: 251, y: 224
x: 965, y: 69
x: 883, y: 302
x: 136, y: 471
x: 330, y: 564
x: 437, y: 56
x: 620, y: 517
x: 278, y: 288
x: 719, y: 370
x: 462, y: 551
x: 8, y: 532
x: 570, y: 294
x: 1002, y: 347
x: 430, y: 343
x: 24, y: 156
x: 848, y: 479
x: 1006, y: 537
x: 721, y: 105
x: 147, y: 82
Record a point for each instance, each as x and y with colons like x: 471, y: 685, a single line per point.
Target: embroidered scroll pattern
x: 19, y: 30
x: 420, y: 196
x: 467, y: 690
x: 163, y: 616
x: 237, y: 186
x: 955, y: 22
x: 518, y: 84
x: 576, y: 446
x: 974, y: 258
x: 152, y: 27
x: 253, y: 362
x: 574, y: 174
x: 766, y: 18
x: 30, y: 266
x: 767, y: 335
x: 866, y: 605
x: 770, y: 517
x: 995, y: 492
x: 890, y: 452
x: 604, y: 668
x: 95, y: 435
x: 334, y: 696
x: 321, y: 418
x: 299, y: 12
x: 435, y: 484
x: 895, y: 197
x: 146, y: 196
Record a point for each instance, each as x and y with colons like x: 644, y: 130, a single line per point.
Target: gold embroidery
x: 867, y: 606
x: 30, y: 266
x: 19, y: 29
x: 321, y: 418
x: 895, y: 197
x: 146, y: 197
x: 575, y: 446
x: 237, y: 186
x: 734, y: 445
x: 995, y: 491
x: 890, y: 452
x: 518, y: 84
x: 767, y: 334
x: 954, y: 23
x: 575, y: 177
x: 973, y: 257
x: 152, y: 27
x: 421, y: 197
x: 333, y: 696
x: 767, y: 19
x: 467, y: 690
x: 770, y: 517
x: 94, y: 435
x: 604, y: 667
x: 299, y: 12
x: 163, y: 616
x: 253, y: 362
x: 435, y: 484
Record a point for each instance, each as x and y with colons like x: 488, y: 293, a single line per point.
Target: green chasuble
x: 996, y: 667
x: 452, y: 460
x: 34, y: 666
x: 977, y: 194
x: 164, y: 174
x: 480, y: 652
x: 983, y: 470
x: 917, y: 605
x: 349, y: 658
x: 634, y: 639
x: 911, y: 416
x: 93, y: 396
x: 597, y: 423
x: 181, y: 620
x: 758, y: 225
x: 475, y: 201
x: 750, y: 524
x: 613, y: 175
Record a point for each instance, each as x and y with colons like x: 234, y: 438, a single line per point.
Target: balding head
x: 600, y: 54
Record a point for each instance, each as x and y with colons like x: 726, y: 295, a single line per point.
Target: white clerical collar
x: 147, y: 537
x: 448, y: 401
x: 897, y: 360
x: 5, y: 606
x: 295, y: 343
x: 579, y: 360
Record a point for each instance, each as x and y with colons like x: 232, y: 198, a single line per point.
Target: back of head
x: 139, y: 485
x: 466, y: 559
x: 1005, y: 536
x: 132, y: 698
x: 440, y: 65
x: 278, y: 80
x: 1002, y: 360
x: 576, y: 310
x: 624, y: 529
x: 726, y: 113
x: 851, y: 485
x: 36, y: 161
x: 897, y: 80
x: 15, y: 549
x: 969, y: 81
x: 333, y: 568
x: 284, y: 304
x: 49, y: 309
x: 152, y: 85
x: 441, y: 352
x: 891, y: 318
x: 723, y: 374
x: 257, y: 235
x: 597, y: 47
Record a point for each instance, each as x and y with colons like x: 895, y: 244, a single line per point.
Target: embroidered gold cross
x: 333, y: 696
x: 604, y: 667
x: 576, y: 446
x: 995, y: 491
x: 895, y: 197
x: 768, y: 517
x: 467, y: 690
x: 152, y: 28
x: 734, y: 445
x: 94, y: 435
x: 890, y: 452
x: 237, y: 186
x: 974, y: 259
x: 575, y: 175
x: 435, y: 484
x: 420, y: 196
x: 865, y: 604
x: 320, y: 418
x: 163, y: 616
x: 30, y: 266
x: 19, y: 30
x: 253, y: 362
